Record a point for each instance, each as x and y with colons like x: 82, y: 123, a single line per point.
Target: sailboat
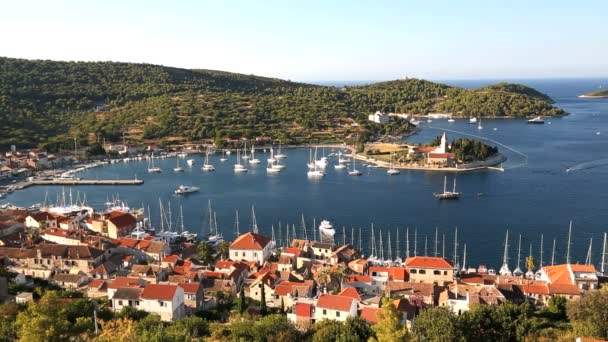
x: 206, y: 165
x: 270, y: 168
x: 151, y: 167
x: 391, y: 171
x: 280, y: 155
x: 479, y: 126
x: 214, y: 236
x: 277, y: 165
x: 322, y: 162
x: 341, y: 164
x: 354, y: 171
x: 238, y: 167
x: 504, y: 269
x: 517, y: 271
x: 342, y: 160
x: 244, y: 155
x: 223, y: 159
x: 314, y: 172
x: 447, y: 194
x: 184, y: 233
x: 311, y: 163
x: 253, y: 159
x: 472, y: 120
x: 271, y: 159
x: 178, y: 168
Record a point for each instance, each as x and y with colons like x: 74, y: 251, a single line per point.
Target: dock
x: 27, y: 184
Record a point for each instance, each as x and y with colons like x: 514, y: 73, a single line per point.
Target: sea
x: 555, y: 174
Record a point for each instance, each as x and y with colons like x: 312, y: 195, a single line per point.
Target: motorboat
x: 473, y: 120
x: 450, y: 120
x: 537, y: 120
x: 326, y: 228
x: 185, y: 189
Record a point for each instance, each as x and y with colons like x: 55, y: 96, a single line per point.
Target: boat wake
x: 588, y: 165
x: 523, y: 155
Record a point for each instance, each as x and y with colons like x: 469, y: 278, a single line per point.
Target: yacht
x: 342, y: 160
x: 271, y: 159
x: 326, y: 228
x: 151, y: 167
x: 479, y: 126
x: 206, y: 165
x: 178, y: 168
x: 322, y: 163
x: 391, y: 171
x: 214, y: 237
x: 280, y: 155
x: 190, y: 162
x: 272, y: 169
x: 277, y: 165
x: 447, y: 194
x: 473, y: 120
x: 238, y: 167
x: 185, y: 189
x: 244, y: 155
x: 223, y: 159
x: 354, y: 171
x: 253, y: 159
x: 537, y: 120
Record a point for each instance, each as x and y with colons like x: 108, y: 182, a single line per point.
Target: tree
x: 324, y: 277
x: 557, y: 306
x: 389, y: 326
x: 224, y: 249
x: 530, y: 263
x: 117, y: 330
x: 354, y: 329
x: 588, y: 314
x: 205, y: 252
x: 339, y: 275
x: 188, y: 328
x: 263, y: 308
x: 43, y: 320
x: 242, y: 306
x: 436, y: 324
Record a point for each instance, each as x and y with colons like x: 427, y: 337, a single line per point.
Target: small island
x: 598, y: 94
x: 461, y: 154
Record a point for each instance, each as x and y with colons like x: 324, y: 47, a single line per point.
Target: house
x: 97, y: 288
x: 370, y: 314
x: 416, y: 292
x: 379, y: 117
x: 41, y: 220
x: 268, y: 281
x: 150, y: 273
x: 321, y: 250
x: 114, y: 224
x: 193, y: 296
x: 127, y: 296
x: 288, y: 291
x: 345, y: 254
x: 335, y: 307
x: 24, y: 297
x: 459, y: 297
x: 143, y: 249
x: 363, y: 283
x: 251, y: 247
x: 434, y: 270
x: 561, y: 277
x: 70, y: 281
x: 165, y: 300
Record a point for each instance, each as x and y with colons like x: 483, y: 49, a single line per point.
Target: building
x: 251, y: 247
x: 193, y: 296
x: 433, y: 270
x: 379, y: 117
x: 440, y: 155
x: 560, y: 277
x: 167, y: 301
x: 41, y: 220
x: 114, y: 224
x: 335, y: 307
x: 459, y: 297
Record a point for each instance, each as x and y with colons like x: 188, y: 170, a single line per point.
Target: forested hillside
x: 48, y: 103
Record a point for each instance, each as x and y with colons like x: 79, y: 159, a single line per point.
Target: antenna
x: 553, y: 253
x: 588, y: 260
x: 436, y: 237
x: 568, y: 247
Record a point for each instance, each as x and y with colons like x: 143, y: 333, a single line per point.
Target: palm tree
x: 223, y: 249
x: 339, y: 275
x: 206, y: 252
x: 324, y: 277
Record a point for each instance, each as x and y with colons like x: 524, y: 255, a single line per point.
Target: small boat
x: 228, y: 152
x: 339, y: 166
x: 315, y: 173
x: 271, y: 169
x: 223, y: 159
x: 271, y: 159
x: 280, y: 155
x: 447, y: 194
x: 185, y: 189
x: 151, y: 167
x: 253, y: 159
x: 206, y: 165
x: 238, y: 167
x: 326, y: 228
x: 190, y: 162
x: 342, y: 160
x: 473, y: 120
x: 354, y: 171
x: 277, y: 165
x: 429, y: 120
x: 244, y: 155
x: 537, y: 120
x: 178, y: 168
x: 391, y: 171
x: 450, y: 120
x: 479, y: 126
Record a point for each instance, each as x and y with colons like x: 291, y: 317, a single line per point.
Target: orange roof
x: 171, y: 258
x: 159, y: 291
x: 350, y: 292
x: 96, y: 283
x: 378, y: 269
x: 534, y: 289
x: 124, y: 282
x: 370, y: 314
x: 582, y: 268
x: 303, y: 309
x: 292, y: 250
x: 558, y: 274
x: 428, y: 262
x: 397, y: 273
x: 190, y: 287
x: 333, y: 302
x: 224, y: 263
x: 441, y: 155
x: 564, y: 289
x: 362, y: 278
x: 250, y: 241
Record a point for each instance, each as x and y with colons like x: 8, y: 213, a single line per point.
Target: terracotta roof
x: 378, y: 269
x: 292, y: 250
x: 190, y: 287
x: 428, y: 262
x: 121, y: 219
x: 423, y: 289
x: 159, y: 291
x: 97, y: 283
x: 291, y: 287
x: 303, y: 310
x: 541, y: 289
x: 43, y: 216
x: 250, y: 241
x: 224, y: 264
x: 558, y: 274
x: 441, y: 155
x: 582, y: 268
x: 170, y: 258
x: 370, y: 314
x: 350, y: 292
x: 564, y: 289
x: 124, y: 282
x: 333, y: 302
x: 398, y: 273
x: 359, y: 278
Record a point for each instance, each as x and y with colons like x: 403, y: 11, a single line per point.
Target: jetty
x: 59, y: 181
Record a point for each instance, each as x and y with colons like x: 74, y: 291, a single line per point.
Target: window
x: 256, y: 293
x: 413, y: 271
x: 255, y: 254
x: 324, y: 311
x: 236, y: 254
x: 422, y: 272
x: 435, y: 272
x: 445, y: 272
x: 161, y: 303
x: 243, y: 253
x: 120, y: 302
x: 337, y: 313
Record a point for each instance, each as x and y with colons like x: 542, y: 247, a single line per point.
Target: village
x: 97, y: 255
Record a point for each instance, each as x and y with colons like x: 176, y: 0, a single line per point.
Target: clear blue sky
x: 321, y: 40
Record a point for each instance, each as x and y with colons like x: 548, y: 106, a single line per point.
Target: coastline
x: 489, y: 164
x: 593, y: 96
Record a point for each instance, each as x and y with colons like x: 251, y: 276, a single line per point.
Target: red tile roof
x: 333, y: 302
x: 378, y: 269
x: 350, y: 292
x: 121, y: 219
x: 541, y: 289
x: 124, y: 282
x: 159, y: 291
x: 564, y: 289
x: 370, y: 314
x: 398, y: 273
x: 359, y: 278
x: 441, y: 155
x: 303, y: 310
x: 582, y: 268
x: 224, y: 264
x: 428, y: 262
x: 171, y: 258
x: 190, y: 287
x: 558, y: 274
x: 250, y: 241
x: 292, y: 250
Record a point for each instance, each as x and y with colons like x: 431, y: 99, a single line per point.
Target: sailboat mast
x: 445, y: 181
x: 541, y: 251
x: 390, y: 247
x: 603, y: 269
x: 359, y: 238
x: 443, y: 247
x: 236, y: 223
x: 588, y: 260
x: 215, y: 221
x: 287, y: 233
x: 398, y: 245
x: 454, y: 185
x: 568, y: 247
x: 210, y: 219
x: 373, y: 242
x: 181, y: 216
x: 343, y: 235
x: 456, y: 246
x: 314, y: 228
x: 436, y: 237
x: 519, y: 252
x: 407, y: 242
x: 162, y: 219
x: 381, y: 247
x: 464, y: 259
x: 553, y: 253
x: 425, y: 245
x: 352, y: 236
x: 272, y: 237
x: 415, y: 241
x: 304, y: 227
x: 254, y: 224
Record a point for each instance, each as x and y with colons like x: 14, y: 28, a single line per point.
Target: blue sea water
x: 535, y: 195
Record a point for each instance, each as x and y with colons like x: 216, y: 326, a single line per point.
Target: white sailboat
x: 479, y: 126
x: 322, y: 162
x: 342, y: 160
x: 214, y: 236
x: 178, y: 168
x: 447, y: 194
x: 339, y: 166
x: 314, y: 172
x: 354, y: 171
x: 223, y: 159
x: 391, y: 171
x: 472, y: 120
x: 271, y: 159
x: 190, y: 162
x: 280, y: 155
x: 151, y: 167
x: 206, y: 165
x: 244, y: 155
x: 238, y: 167
x: 271, y: 169
x: 184, y: 233
x: 277, y: 165
x: 253, y: 159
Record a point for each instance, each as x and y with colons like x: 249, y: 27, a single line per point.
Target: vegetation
x: 468, y: 150
x: 50, y: 103
x: 598, y: 93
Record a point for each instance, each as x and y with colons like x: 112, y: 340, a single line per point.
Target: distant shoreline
x: 593, y: 96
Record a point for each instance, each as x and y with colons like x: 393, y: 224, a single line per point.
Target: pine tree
x: 263, y: 308
x: 242, y: 304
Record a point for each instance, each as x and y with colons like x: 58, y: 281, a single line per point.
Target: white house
x: 379, y: 117
x: 165, y: 300
x: 335, y: 307
x: 251, y: 247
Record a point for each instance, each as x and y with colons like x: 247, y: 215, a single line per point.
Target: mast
x: 425, y: 245
x: 215, y: 222
x: 445, y: 182
x: 588, y: 259
x: 443, y: 247
x: 293, y: 231
x: 518, y: 269
x: 272, y: 237
x: 456, y: 247
x: 398, y: 245
x: 415, y: 241
x: 407, y: 242
x: 454, y: 190
x: 236, y: 223
x: 568, y: 247
x: 314, y: 228
x: 181, y: 216
x: 541, y: 251
x: 254, y: 224
x: 553, y: 253
x: 373, y: 242
x: 390, y: 247
x: 304, y: 227
x: 464, y: 259
x: 504, y: 270
x: 343, y: 235
x: 162, y: 220
x: 287, y: 233
x: 359, y: 238
x: 381, y: 247
x: 352, y: 236
x: 603, y: 269
x: 436, y: 237
x: 210, y: 219
x: 280, y: 234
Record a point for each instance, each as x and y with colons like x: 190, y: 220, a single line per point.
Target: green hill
x: 520, y: 89
x: 49, y: 103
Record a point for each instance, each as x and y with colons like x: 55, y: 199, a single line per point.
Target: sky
x: 320, y: 40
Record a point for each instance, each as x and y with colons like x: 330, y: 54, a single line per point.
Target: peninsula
x: 598, y: 94
x: 55, y: 105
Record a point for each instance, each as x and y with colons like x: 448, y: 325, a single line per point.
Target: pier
x: 27, y: 184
